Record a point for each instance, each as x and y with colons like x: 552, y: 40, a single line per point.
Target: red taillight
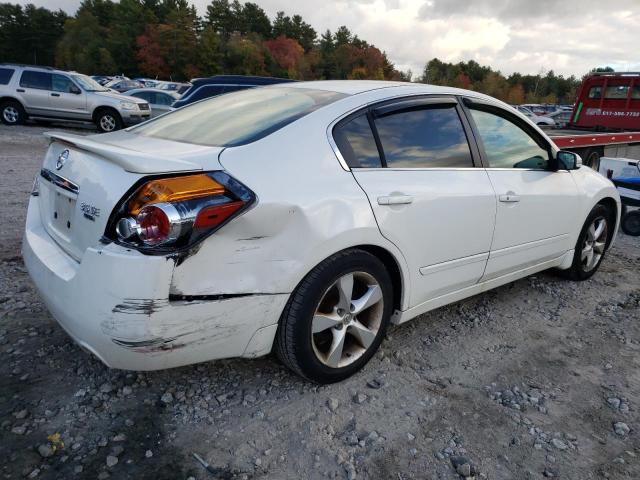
x: 214, y: 215
x: 171, y: 213
x: 154, y: 225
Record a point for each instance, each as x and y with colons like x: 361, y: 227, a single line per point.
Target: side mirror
x: 568, y: 160
x: 75, y: 90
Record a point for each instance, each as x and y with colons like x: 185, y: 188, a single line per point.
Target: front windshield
x: 237, y: 118
x: 88, y: 84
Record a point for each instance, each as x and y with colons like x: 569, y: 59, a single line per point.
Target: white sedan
x: 304, y: 219
x: 540, y: 120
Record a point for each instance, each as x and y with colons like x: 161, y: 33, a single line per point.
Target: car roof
x: 239, y: 79
x: 149, y: 89
x: 37, y: 67
x: 353, y: 87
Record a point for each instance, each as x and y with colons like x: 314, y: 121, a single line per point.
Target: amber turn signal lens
x: 174, y: 189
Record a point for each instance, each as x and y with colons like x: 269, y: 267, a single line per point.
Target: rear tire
x: 12, y: 113
x: 108, y: 120
x: 592, y: 244
x: 336, y: 318
x: 630, y: 223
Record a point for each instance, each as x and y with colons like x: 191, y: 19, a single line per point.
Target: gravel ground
x: 536, y: 379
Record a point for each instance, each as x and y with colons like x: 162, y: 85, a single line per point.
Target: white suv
x: 47, y: 94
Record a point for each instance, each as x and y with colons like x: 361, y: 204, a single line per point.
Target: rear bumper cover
x: 115, y: 304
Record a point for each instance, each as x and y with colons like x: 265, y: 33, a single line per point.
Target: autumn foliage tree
x: 287, y: 53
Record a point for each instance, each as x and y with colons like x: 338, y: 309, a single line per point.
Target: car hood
x: 119, y: 96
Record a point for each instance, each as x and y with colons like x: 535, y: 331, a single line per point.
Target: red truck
x: 605, y: 120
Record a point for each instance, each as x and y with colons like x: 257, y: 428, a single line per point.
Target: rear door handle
x: 509, y: 198
x: 21, y: 90
x: 55, y: 94
x: 395, y: 200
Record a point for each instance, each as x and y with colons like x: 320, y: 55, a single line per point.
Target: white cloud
x: 568, y: 36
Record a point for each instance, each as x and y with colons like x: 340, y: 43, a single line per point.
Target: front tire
x: 12, y: 113
x: 592, y: 244
x: 108, y: 120
x: 336, y: 318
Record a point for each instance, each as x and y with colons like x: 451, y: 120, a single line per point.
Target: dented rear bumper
x: 115, y: 303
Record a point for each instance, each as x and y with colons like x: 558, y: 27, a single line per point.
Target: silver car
x: 161, y: 101
x: 45, y: 93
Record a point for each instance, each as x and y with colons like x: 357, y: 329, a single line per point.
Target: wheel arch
x: 393, y: 267
x: 101, y: 108
x: 614, y: 215
x: 13, y: 99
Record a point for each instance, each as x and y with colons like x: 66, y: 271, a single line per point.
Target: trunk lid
x: 84, y: 178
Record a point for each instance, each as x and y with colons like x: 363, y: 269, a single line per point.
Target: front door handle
x: 395, y: 200
x: 509, y: 197
x: 55, y: 94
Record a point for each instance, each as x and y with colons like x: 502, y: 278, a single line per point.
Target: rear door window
x: 356, y: 142
x: 426, y: 137
x: 163, y: 99
x: 147, y: 96
x: 5, y: 75
x: 32, y: 79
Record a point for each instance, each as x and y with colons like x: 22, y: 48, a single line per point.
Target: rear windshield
x: 237, y: 118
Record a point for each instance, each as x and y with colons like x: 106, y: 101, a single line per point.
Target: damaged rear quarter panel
x: 308, y: 208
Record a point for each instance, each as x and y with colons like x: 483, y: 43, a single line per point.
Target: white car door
x: 536, y: 204
x: 414, y: 161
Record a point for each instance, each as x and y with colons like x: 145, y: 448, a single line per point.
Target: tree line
x: 514, y: 89
x: 169, y: 39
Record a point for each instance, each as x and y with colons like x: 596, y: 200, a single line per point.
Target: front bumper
x: 135, y: 117
x: 115, y: 303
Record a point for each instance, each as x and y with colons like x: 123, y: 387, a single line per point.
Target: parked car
x: 147, y: 82
x: 161, y: 101
x: 537, y: 119
x: 202, y: 88
x: 179, y: 88
x: 304, y: 217
x: 122, y: 86
x: 49, y: 94
x: 541, y: 109
x: 561, y: 118
x: 102, y: 79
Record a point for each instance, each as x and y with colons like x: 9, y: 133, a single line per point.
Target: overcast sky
x: 528, y: 36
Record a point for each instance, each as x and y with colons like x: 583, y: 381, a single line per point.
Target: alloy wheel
x: 594, y: 244
x: 107, y: 123
x: 347, y: 319
x: 10, y: 114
